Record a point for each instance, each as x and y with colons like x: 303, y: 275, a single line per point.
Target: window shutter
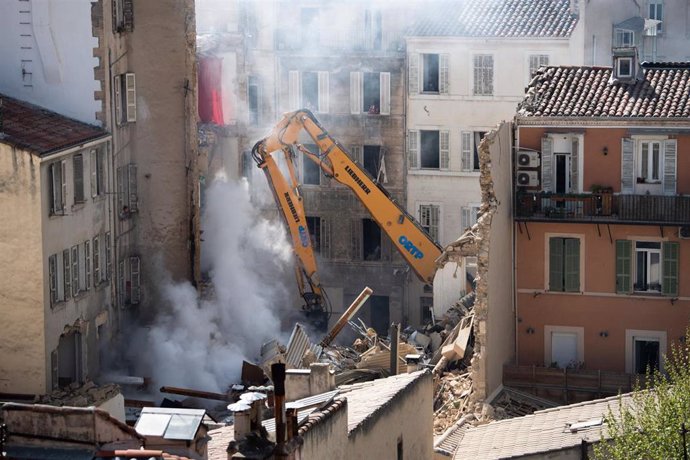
x: 78, y: 172
x: 385, y: 93
x: 546, y: 163
x: 96, y: 261
x: 465, y: 218
x: 131, y: 98
x: 413, y: 73
x: 413, y: 149
x: 75, y: 270
x: 556, y: 264
x: 669, y: 284
x: 627, y: 166
x: 466, y: 150
x: 135, y: 280
x: 121, y: 282
x: 443, y: 83
x: 356, y: 153
x: 127, y: 15
x: 66, y: 274
x: 382, y: 176
x: 623, y: 266
x: 670, y: 149
x: 52, y: 278
x: 108, y: 258
x: 63, y: 184
x: 435, y: 222
x: 133, y: 198
x: 94, y: 173
x: 121, y: 189
x: 575, y: 165
x: 356, y: 239
x: 325, y: 238
x: 87, y: 265
x: 323, y: 91
x: 100, y: 171
x: 294, y: 90
x: 572, y: 265
x: 356, y: 93
x: 444, y: 149
x: 117, y: 88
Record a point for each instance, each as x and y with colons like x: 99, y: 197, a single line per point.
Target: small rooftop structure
x: 170, y: 423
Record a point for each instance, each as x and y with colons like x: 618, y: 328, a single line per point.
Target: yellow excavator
x: 409, y: 238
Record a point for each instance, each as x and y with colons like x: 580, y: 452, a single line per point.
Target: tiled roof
x: 218, y: 442
x: 41, y: 131
x: 544, y: 431
x: 497, y: 18
x: 365, y: 400
x: 569, y: 91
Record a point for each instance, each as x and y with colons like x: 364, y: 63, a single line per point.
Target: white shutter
x: 87, y: 265
x: 356, y: 153
x: 356, y: 93
x: 63, y: 184
x: 385, y: 90
x: 575, y: 165
x: 413, y: 149
x: 94, y: 172
x: 443, y: 77
x: 323, y: 92
x: 294, y: 90
x: 546, y: 163
x: 627, y: 165
x: 413, y: 73
x: 131, y: 97
x: 435, y: 222
x: 465, y: 218
x: 670, y: 149
x: 133, y: 198
x: 75, y: 271
x: 444, y: 149
x: 117, y: 88
x: 382, y: 176
x: 466, y: 150
x: 135, y: 280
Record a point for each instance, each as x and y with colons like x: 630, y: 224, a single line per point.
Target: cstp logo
x: 303, y: 236
x: 410, y: 247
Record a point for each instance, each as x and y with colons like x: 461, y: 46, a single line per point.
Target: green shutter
x: 623, y: 266
x: 669, y: 284
x: 572, y: 265
x: 556, y: 264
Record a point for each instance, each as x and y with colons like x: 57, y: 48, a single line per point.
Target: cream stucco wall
x: 328, y: 439
x: 22, y: 354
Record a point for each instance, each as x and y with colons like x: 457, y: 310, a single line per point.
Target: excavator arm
x: 409, y: 238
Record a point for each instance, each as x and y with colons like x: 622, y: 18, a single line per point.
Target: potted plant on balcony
x: 602, y: 199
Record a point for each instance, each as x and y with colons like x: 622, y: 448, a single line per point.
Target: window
x: 125, y: 98
x: 644, y: 349
x: 129, y: 281
x: 654, y: 268
x: 429, y: 217
x: 66, y: 274
x: 78, y: 175
x: 127, y: 196
x: 96, y: 261
x: 564, y: 264
x: 430, y: 73
x: 53, y: 279
x: 308, y: 90
x: 314, y: 226
x: 430, y: 149
x: 649, y: 161
x: 468, y: 217
x: 656, y: 11
x: 371, y: 240
x: 623, y: 38
x: 426, y: 305
x: 470, y: 149
x: 311, y: 172
x: 483, y: 75
x: 372, y: 159
x: 470, y: 272
x: 253, y: 100
x: 123, y: 15
x: 536, y: 61
x: 87, y: 265
x: 309, y: 19
x: 624, y: 67
x: 58, y: 187
x: 75, y: 271
x: 97, y: 172
x: 370, y: 93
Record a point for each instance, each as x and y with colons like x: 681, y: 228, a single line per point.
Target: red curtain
x: 210, y: 90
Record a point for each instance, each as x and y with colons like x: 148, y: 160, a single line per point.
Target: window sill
x: 442, y: 172
x: 98, y: 198
x: 78, y: 206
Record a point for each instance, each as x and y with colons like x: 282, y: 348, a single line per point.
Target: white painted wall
x: 46, y: 50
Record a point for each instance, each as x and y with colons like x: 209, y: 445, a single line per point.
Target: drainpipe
x: 395, y: 338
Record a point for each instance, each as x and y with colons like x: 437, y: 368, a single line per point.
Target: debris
x: 345, y: 317
x: 252, y: 374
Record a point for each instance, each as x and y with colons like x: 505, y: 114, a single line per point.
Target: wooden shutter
x: 444, y: 149
x: 132, y: 196
x: 294, y: 90
x: 670, y: 253
x: 670, y: 149
x: 94, y: 172
x: 66, y: 274
x: 435, y: 222
x: 96, y: 261
x: 556, y: 264
x: 78, y: 172
x: 75, y: 270
x: 356, y: 239
x: 443, y: 83
x: 108, y: 258
x: 575, y: 165
x: 466, y: 150
x: 131, y: 97
x: 623, y: 266
x: 465, y: 218
x: 135, y: 280
x: 413, y: 73
x: 117, y: 88
x: 356, y: 93
x: 323, y: 91
x: 572, y: 265
x: 325, y: 238
x: 627, y: 165
x: 413, y: 149
x: 385, y: 93
x: 546, y: 163
x: 127, y: 15
x: 356, y: 154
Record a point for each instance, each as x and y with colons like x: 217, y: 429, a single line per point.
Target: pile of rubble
x: 80, y: 395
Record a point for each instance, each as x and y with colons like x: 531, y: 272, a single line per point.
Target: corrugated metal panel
x: 298, y: 345
x: 302, y: 416
x: 315, y: 400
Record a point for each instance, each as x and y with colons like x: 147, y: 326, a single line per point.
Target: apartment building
x: 468, y: 63
x: 602, y: 215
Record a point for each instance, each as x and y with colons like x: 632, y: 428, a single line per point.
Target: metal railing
x: 673, y: 210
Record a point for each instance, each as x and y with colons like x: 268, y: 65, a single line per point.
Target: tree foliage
x: 650, y: 425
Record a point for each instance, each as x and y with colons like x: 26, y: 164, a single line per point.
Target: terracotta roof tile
x: 569, y: 91
x: 41, y: 131
x: 497, y: 18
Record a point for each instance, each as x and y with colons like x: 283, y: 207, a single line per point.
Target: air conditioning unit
x: 684, y: 232
x: 527, y: 159
x: 527, y: 179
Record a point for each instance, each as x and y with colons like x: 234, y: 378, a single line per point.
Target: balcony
x: 603, y: 207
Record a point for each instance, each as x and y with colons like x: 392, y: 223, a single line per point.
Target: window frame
x: 548, y: 341
x: 547, y: 262
x: 641, y: 166
x: 539, y: 58
x: 619, y: 62
x: 630, y: 337
x: 618, y: 38
x: 425, y: 69
x: 656, y: 8
x: 481, y: 87
x: 636, y: 267
x: 426, y: 221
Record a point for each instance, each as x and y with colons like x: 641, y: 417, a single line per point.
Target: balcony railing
x: 604, y: 207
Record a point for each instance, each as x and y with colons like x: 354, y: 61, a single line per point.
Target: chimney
x: 412, y: 362
x: 242, y: 412
x: 321, y: 379
x: 278, y: 377
x: 255, y: 401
